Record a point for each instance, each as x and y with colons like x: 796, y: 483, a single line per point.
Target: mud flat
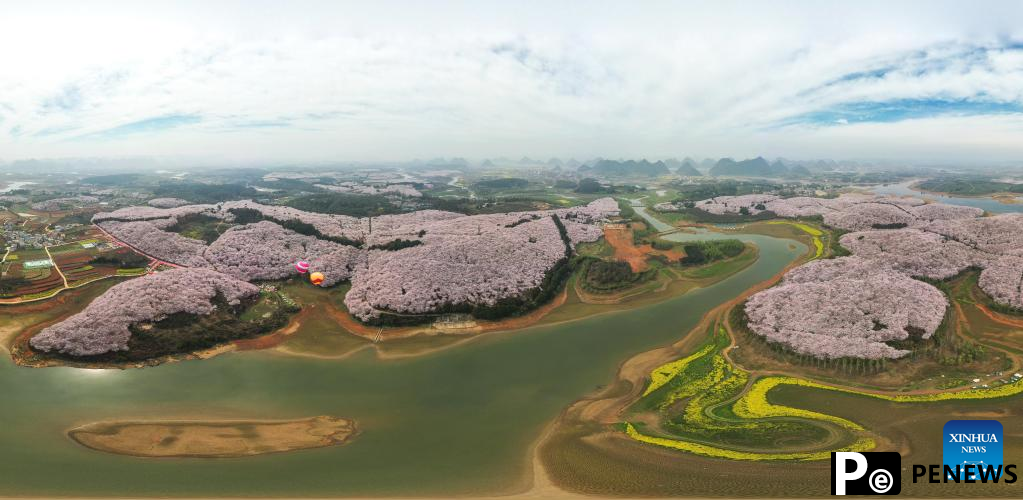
x: 213, y: 439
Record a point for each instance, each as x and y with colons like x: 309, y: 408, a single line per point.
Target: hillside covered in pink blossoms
x: 850, y: 307
x: 103, y: 325
x: 412, y: 263
x: 434, y: 261
x: 846, y: 307
x: 852, y: 211
x: 167, y: 202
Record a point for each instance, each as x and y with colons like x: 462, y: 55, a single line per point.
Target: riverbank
x: 984, y: 202
x: 999, y: 196
x: 501, y: 389
x: 19, y: 334
x: 571, y: 304
x: 584, y: 432
x: 611, y: 456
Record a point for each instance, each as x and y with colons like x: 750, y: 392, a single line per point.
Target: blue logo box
x: 976, y: 442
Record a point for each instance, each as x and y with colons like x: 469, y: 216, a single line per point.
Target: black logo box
x: 889, y: 461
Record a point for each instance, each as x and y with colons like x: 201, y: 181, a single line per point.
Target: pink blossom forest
x: 445, y: 258
x: 851, y: 306
x: 843, y: 307
x: 103, y: 325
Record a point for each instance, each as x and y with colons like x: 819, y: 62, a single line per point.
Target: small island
x: 213, y: 438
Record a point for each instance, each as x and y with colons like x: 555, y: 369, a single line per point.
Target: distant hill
x: 688, y: 168
x: 799, y: 171
x: 782, y: 168
x: 755, y: 167
x: 441, y: 162
x: 629, y: 167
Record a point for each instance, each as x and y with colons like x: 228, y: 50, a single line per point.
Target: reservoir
x: 983, y: 202
x: 460, y: 421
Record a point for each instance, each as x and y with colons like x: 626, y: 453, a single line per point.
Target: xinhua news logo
x: 867, y: 473
x: 971, y: 453
x: 973, y: 445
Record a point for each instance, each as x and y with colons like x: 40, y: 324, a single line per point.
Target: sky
x: 307, y: 81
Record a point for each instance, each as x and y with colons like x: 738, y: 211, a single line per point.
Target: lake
x: 456, y: 422
x: 986, y: 203
x: 14, y: 186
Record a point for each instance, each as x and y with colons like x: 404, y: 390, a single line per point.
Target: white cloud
x: 332, y: 80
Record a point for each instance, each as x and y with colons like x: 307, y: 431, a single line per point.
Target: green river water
x: 459, y: 421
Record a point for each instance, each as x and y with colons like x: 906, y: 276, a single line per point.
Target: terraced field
x: 32, y: 274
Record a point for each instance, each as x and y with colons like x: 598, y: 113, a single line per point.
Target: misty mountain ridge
x: 758, y: 167
x: 630, y: 167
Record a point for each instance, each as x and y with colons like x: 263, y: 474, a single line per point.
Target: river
x: 986, y: 202
x: 457, y: 422
x: 14, y: 186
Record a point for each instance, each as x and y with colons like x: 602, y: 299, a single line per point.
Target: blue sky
x: 326, y: 81
x: 898, y: 110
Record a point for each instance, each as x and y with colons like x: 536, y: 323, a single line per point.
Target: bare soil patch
x: 620, y: 238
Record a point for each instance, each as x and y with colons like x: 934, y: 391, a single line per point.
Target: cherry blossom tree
x: 352, y: 187
x: 733, y: 204
x: 337, y: 226
x: 844, y: 209
x: 265, y: 250
x: 128, y: 214
x: 103, y: 326
x: 914, y: 252
x: 870, y: 215
x: 154, y: 241
x: 468, y: 260
x: 56, y: 204
x: 941, y: 211
x: 846, y: 307
x: 167, y: 202
x: 997, y: 235
x: 457, y: 259
x: 800, y: 206
x: 1003, y: 281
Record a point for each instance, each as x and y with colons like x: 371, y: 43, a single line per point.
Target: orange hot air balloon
x: 316, y: 278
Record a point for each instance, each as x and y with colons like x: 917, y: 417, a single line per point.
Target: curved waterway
x: 457, y: 422
x: 982, y: 202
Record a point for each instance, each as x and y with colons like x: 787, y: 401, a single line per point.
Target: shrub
x: 121, y: 258
x: 398, y: 244
x: 662, y: 245
x: 702, y: 252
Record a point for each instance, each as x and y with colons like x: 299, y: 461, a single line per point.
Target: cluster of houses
x: 17, y: 237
